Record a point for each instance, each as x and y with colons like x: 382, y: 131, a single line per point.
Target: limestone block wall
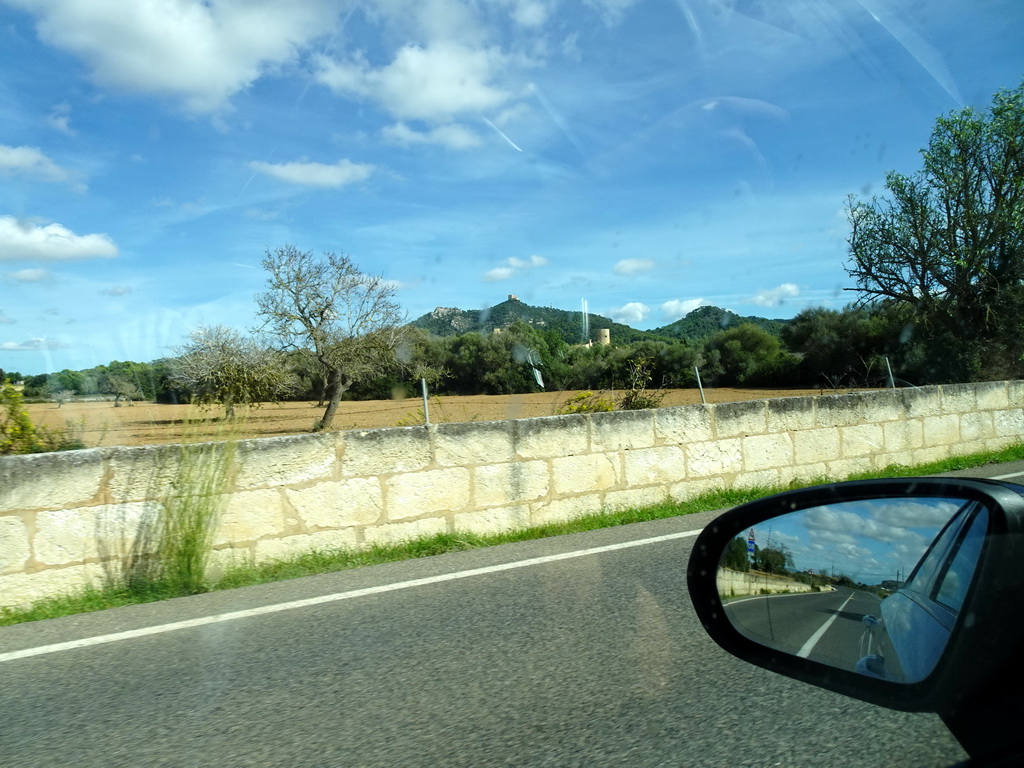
x: 733, y: 583
x: 67, y: 519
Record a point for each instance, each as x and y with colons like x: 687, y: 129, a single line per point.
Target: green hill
x: 705, y: 322
x: 448, y: 321
x: 698, y: 326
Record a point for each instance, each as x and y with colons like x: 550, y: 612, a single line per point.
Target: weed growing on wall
x: 191, y: 512
x: 171, y: 549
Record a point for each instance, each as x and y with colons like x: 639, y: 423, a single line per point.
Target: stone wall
x: 66, y: 518
x: 734, y: 583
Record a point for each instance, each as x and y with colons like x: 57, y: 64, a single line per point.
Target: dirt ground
x: 101, y: 424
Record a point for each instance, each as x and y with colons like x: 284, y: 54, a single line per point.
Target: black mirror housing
x: 988, y: 630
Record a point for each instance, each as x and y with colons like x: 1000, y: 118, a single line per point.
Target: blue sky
x: 649, y: 156
x: 869, y: 541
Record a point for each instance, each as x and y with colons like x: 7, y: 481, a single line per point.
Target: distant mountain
x: 704, y: 322
x: 697, y: 326
x: 448, y: 321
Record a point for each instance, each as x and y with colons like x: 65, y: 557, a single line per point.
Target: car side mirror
x: 895, y: 592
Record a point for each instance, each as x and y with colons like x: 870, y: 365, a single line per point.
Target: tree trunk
x: 336, y: 387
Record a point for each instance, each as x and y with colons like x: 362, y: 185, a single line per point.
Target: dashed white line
x: 332, y: 598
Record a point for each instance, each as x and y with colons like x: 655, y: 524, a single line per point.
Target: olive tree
x: 220, y: 365
x: 348, y: 321
x: 948, y: 240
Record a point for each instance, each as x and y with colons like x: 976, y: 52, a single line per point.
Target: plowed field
x: 102, y: 424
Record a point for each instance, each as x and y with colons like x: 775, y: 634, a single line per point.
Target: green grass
x: 328, y: 561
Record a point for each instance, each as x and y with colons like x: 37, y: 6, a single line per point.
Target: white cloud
x: 196, y: 51
x: 776, y: 296
x: 677, y: 308
x: 52, y: 242
x: 117, y: 290
x: 60, y: 118
x: 316, y: 174
x: 633, y: 266
x: 32, y: 345
x: 528, y: 13
x: 30, y: 162
x: 533, y: 261
x: 633, y: 312
x: 453, y: 136
x: 612, y: 11
x: 498, y: 273
x: 37, y: 275
x: 436, y: 84
x: 513, y: 266
x: 5, y: 320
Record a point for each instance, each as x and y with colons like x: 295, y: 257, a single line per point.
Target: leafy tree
x: 948, y: 241
x: 735, y: 555
x: 348, y: 321
x: 775, y: 559
x: 749, y: 355
x: 847, y: 347
x: 219, y: 365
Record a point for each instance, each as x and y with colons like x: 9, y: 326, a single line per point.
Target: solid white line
x: 332, y: 598
x: 1007, y: 477
x: 807, y: 647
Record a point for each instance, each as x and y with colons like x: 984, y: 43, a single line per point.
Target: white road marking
x: 332, y: 598
x: 807, y: 647
x: 1007, y: 477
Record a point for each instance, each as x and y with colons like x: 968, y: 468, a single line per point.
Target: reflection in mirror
x: 871, y: 586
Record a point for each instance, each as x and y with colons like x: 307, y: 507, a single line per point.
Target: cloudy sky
x: 648, y: 156
x: 867, y: 540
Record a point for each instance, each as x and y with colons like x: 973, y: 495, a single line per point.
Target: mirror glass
x: 872, y: 586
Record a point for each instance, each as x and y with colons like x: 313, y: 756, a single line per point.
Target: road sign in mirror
x: 871, y: 586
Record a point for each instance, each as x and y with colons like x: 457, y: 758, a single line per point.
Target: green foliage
x: 587, y: 402
x: 18, y: 435
x: 749, y: 356
x: 946, y: 243
x: 775, y: 559
x: 704, y: 322
x: 735, y: 555
x: 566, y: 325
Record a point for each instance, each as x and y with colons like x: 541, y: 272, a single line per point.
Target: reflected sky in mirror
x: 867, y: 541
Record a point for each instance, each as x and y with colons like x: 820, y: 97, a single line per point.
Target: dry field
x: 102, y: 424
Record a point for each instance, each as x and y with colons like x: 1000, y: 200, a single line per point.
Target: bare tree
x: 219, y: 365
x: 348, y: 321
x: 61, y: 396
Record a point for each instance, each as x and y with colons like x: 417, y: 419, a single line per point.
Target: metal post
x: 699, y: 385
x: 892, y: 383
x: 426, y: 408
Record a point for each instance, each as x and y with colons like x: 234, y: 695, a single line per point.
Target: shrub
x: 586, y: 402
x: 18, y: 435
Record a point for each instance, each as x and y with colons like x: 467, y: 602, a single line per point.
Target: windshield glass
x: 383, y: 238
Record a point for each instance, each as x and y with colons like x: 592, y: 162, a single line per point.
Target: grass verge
x: 328, y: 561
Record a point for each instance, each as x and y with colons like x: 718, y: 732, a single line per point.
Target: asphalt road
x: 544, y: 653
x: 822, y: 626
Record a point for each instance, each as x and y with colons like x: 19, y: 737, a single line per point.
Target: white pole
x: 892, y: 383
x: 699, y: 385
x: 426, y: 408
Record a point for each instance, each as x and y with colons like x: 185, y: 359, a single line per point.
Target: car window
x: 954, y: 583
x: 924, y: 576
